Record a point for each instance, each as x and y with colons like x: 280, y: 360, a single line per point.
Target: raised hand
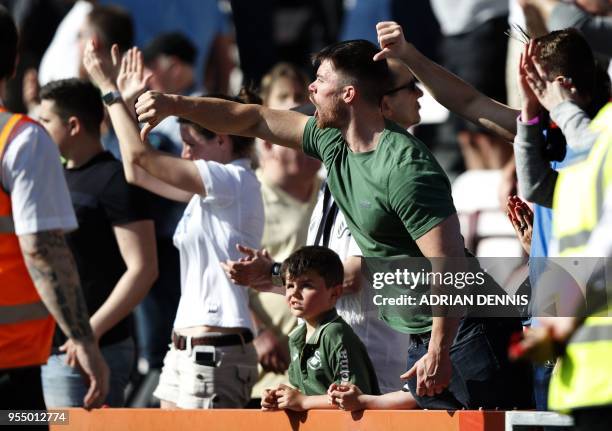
x: 521, y: 217
x: 152, y: 107
x: 132, y: 80
x: 101, y: 67
x: 530, y: 105
x: 391, y: 40
x: 550, y: 91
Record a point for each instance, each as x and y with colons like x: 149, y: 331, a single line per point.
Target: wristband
x: 535, y: 120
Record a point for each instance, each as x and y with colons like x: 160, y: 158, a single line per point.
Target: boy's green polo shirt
x: 333, y: 354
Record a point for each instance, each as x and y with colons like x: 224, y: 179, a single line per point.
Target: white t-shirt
x: 32, y: 174
x: 61, y: 59
x: 388, y: 349
x: 231, y: 213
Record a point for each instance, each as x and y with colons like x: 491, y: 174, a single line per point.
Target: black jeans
x: 21, y: 389
x: 482, y: 375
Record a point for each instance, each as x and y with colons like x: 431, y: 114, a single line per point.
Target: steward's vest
x: 26, y: 328
x: 580, y: 191
x: 583, y: 376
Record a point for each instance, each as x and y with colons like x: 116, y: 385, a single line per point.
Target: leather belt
x: 180, y: 341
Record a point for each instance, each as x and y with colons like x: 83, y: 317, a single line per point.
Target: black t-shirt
x: 101, y: 198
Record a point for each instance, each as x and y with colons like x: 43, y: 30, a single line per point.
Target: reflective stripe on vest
x: 582, y: 376
x: 22, y: 312
x: 580, y: 191
x: 6, y: 224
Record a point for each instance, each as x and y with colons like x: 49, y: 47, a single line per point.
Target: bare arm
x: 444, y: 245
x: 284, y: 128
x: 53, y: 271
x: 348, y: 396
x: 448, y: 89
x: 137, y: 245
x: 352, y: 275
x: 181, y: 175
x: 54, y: 274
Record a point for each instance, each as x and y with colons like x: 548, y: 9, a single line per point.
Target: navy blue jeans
x: 482, y: 375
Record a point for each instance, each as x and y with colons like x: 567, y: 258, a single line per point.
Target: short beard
x: 336, y: 117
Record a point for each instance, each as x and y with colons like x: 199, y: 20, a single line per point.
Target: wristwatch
x: 111, y: 97
x: 277, y: 280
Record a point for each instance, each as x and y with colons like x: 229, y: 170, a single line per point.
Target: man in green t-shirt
x: 394, y: 195
x: 324, y: 349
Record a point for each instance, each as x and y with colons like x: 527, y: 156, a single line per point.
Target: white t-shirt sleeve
x: 220, y: 182
x: 32, y: 174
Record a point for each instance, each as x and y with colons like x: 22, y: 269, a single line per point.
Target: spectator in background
x: 591, y: 17
x: 205, y: 24
x: 211, y: 362
x: 289, y: 188
x: 170, y: 58
x: 474, y: 48
x: 61, y: 59
x: 114, y: 246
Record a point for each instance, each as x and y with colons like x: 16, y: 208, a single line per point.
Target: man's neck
x: 83, y: 152
x: 364, y: 129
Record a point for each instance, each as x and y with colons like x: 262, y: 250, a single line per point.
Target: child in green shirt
x: 324, y: 349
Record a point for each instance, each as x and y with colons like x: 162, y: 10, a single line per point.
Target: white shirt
x: 231, y: 213
x: 386, y: 347
x: 61, y: 59
x: 32, y: 174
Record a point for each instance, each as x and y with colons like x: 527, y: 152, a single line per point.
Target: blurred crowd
x: 184, y: 221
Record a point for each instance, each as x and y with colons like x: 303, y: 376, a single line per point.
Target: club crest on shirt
x: 314, y: 363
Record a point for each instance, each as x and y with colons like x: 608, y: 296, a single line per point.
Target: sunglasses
x: 410, y: 86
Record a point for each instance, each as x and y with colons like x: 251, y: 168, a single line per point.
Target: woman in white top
x: 211, y: 361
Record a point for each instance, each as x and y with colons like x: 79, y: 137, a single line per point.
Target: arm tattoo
x: 53, y: 271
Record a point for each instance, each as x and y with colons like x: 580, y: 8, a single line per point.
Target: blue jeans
x: 63, y: 386
x: 482, y: 375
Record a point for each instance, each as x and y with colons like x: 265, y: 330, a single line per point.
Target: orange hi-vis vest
x: 26, y: 328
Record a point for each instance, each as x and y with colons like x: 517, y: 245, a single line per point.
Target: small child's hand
x: 289, y: 398
x: 269, y: 400
x: 345, y: 396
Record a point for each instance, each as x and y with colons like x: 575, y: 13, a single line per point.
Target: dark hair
x: 566, y: 52
x: 174, y: 44
x: 322, y: 260
x: 353, y: 59
x: 242, y: 145
x: 112, y: 24
x: 282, y: 70
x: 76, y: 98
x: 8, y: 44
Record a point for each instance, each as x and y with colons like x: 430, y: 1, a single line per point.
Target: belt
x: 180, y: 341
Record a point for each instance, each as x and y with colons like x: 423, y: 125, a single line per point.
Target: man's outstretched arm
x: 448, y: 89
x: 285, y: 128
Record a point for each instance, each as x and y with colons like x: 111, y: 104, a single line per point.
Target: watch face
x: 111, y: 97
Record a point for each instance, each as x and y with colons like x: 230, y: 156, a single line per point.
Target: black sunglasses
x: 410, y: 86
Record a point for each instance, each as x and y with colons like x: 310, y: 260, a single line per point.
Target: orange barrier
x: 255, y: 420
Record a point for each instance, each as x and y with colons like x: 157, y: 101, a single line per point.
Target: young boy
x: 324, y: 349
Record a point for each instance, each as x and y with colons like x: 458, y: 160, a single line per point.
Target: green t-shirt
x: 390, y: 197
x: 333, y: 354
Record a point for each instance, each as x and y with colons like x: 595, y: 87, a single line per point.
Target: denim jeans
x: 482, y: 375
x: 63, y: 386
